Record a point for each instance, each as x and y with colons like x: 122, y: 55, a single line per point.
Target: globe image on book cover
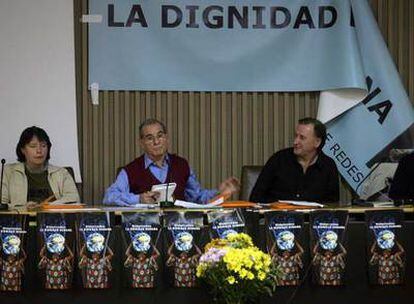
x: 285, y: 240
x: 95, y: 242
x: 184, y: 241
x: 385, y: 239
x: 55, y: 243
x: 11, y: 244
x: 228, y: 232
x: 329, y: 240
x: 141, y: 242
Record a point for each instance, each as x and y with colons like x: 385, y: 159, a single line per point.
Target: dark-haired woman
x: 33, y: 180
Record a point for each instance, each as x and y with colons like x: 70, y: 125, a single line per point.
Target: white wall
x: 37, y: 76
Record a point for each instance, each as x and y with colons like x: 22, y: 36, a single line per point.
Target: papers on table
x: 58, y: 202
x: 303, y: 203
x: 141, y: 206
x: 131, y: 208
x: 144, y: 206
x: 382, y: 204
x: 67, y: 208
x: 184, y: 204
x: 59, y: 205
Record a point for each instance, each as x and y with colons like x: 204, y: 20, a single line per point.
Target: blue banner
x: 362, y: 136
x: 333, y: 46
x: 233, y: 45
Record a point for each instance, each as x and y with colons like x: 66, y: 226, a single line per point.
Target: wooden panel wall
x: 217, y: 132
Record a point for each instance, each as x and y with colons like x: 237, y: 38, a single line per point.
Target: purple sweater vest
x: 141, y: 179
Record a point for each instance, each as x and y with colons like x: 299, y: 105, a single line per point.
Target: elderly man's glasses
x: 149, y: 138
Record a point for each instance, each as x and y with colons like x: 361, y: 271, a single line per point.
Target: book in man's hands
x: 166, y: 192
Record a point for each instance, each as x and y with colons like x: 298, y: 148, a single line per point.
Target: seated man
x: 301, y: 173
x: 402, y: 186
x: 157, y: 166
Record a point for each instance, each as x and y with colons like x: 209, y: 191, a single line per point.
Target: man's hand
x: 149, y: 197
x: 230, y: 186
x: 31, y: 205
x: 48, y: 200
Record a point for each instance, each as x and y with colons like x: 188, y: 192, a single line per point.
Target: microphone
x: 2, y: 206
x: 165, y: 203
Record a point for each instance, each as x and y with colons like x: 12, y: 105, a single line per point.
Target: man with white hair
x: 157, y: 166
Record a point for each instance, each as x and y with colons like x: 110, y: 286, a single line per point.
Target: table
x: 356, y: 290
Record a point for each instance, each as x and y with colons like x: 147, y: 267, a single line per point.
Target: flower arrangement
x: 236, y: 270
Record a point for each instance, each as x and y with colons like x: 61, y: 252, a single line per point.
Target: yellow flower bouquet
x: 236, y: 270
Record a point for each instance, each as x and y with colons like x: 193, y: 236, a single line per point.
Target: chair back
x: 71, y: 172
x: 249, y: 177
x: 79, y: 186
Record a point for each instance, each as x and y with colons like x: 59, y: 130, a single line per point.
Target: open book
x: 166, y: 192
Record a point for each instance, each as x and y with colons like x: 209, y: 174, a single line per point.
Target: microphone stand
x: 165, y: 203
x: 2, y: 206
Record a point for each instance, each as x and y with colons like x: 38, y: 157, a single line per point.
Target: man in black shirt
x: 402, y: 186
x: 301, y: 173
